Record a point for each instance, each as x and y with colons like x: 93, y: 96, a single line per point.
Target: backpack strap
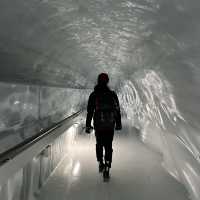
x: 96, y: 102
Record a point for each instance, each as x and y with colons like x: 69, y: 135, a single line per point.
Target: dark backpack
x: 105, y: 112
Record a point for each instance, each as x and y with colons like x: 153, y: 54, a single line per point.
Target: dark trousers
x: 104, y: 141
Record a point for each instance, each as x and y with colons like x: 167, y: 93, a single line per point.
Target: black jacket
x: 91, y: 105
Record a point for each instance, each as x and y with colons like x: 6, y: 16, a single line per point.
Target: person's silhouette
x: 103, y: 107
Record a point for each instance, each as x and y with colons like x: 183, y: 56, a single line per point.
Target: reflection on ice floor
x: 136, y: 174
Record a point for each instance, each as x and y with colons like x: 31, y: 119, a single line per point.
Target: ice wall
x: 27, y: 109
x: 150, y: 104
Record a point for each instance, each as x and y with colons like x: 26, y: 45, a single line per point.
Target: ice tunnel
x: 51, y: 52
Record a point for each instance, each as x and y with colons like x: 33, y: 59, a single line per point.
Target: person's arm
x: 118, y: 113
x: 90, y: 112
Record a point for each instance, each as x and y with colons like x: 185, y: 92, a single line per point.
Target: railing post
x: 27, y: 184
x: 44, y: 154
x: 4, y: 193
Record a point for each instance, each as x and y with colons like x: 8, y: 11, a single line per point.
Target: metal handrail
x: 12, y: 152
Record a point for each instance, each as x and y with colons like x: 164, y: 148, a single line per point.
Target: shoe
x: 106, y: 173
x: 101, y: 167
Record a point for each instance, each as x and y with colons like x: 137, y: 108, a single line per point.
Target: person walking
x: 103, y: 107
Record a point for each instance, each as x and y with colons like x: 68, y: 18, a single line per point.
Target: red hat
x: 103, y: 78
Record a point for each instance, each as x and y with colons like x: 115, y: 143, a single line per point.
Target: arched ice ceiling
x: 68, y: 42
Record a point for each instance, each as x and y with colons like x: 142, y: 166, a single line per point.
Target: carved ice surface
x: 25, y: 110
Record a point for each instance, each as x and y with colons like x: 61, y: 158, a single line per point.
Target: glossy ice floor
x: 136, y: 173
